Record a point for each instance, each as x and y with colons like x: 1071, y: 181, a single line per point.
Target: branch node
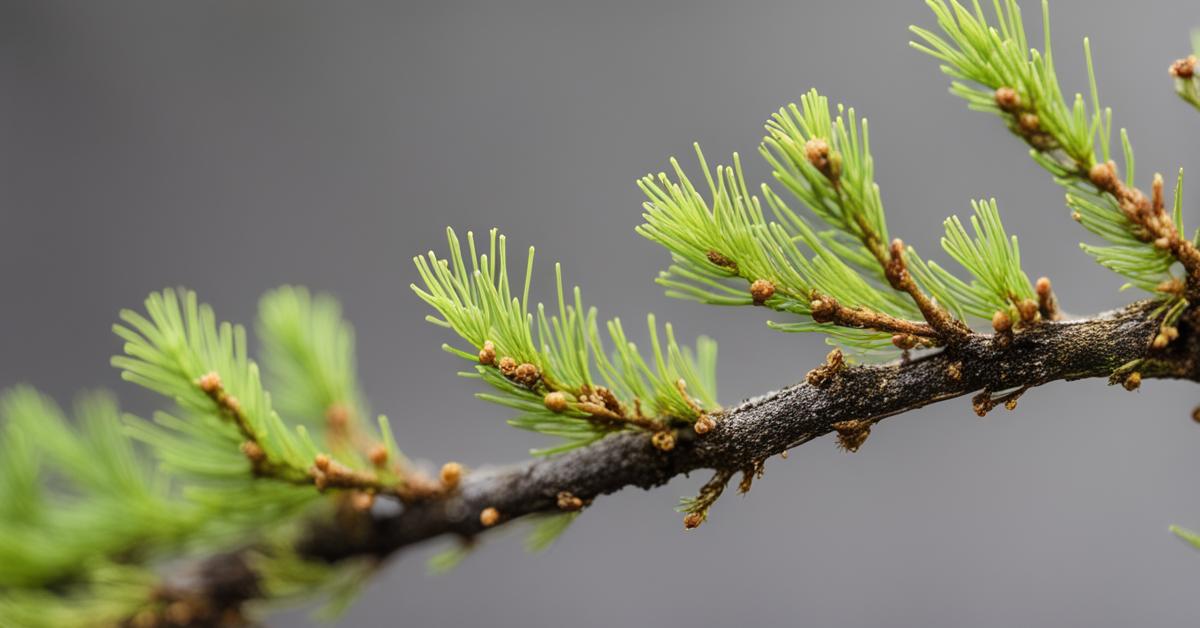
x: 852, y: 434
x: 824, y: 374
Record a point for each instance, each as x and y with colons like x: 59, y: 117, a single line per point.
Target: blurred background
x: 235, y: 146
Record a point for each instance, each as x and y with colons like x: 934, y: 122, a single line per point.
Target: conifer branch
x: 748, y: 434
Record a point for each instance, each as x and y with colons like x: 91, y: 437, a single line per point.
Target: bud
x: 361, y: 501
x: 1184, y: 68
x: 487, y: 355
x: 1007, y: 99
x: 526, y: 374
x: 1043, y: 286
x: 555, y: 401
x: 210, y: 382
x: 1104, y: 176
x: 568, y: 502
x: 761, y: 290
x: 378, y: 455
x: 704, y: 424
x: 489, y: 517
x: 253, y: 451
x: 816, y: 151
x: 508, y: 366
x: 322, y: 462
x: 451, y: 474
x: 1132, y: 381
x: 663, y: 440
x: 692, y: 520
x: 1028, y: 122
x: 1028, y: 309
x: 1001, y: 322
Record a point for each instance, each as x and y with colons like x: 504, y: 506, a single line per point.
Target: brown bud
x: 663, y: 440
x: 722, y: 261
x: 322, y: 462
x: 555, y: 401
x: 527, y: 374
x: 1184, y: 68
x: 1001, y: 322
x: 508, y: 366
x: 692, y: 520
x: 231, y: 404
x: 1043, y: 286
x: 210, y: 382
x: 1007, y: 99
x: 1104, y: 176
x: 1028, y: 122
x: 569, y: 502
x: 704, y: 424
x: 1028, y: 309
x: 1196, y: 414
x: 378, y: 455
x: 1132, y: 381
x: 253, y: 451
x: 816, y: 151
x: 451, y: 474
x: 362, y: 501
x: 337, y: 415
x: 761, y: 290
x: 904, y: 341
x: 1163, y: 243
x: 1160, y: 341
x: 487, y: 355
x: 489, y: 517
x: 1171, y: 332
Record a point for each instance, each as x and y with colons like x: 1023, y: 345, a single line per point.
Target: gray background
x: 233, y: 146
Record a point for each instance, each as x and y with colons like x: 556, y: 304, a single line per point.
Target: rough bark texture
x: 771, y: 424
